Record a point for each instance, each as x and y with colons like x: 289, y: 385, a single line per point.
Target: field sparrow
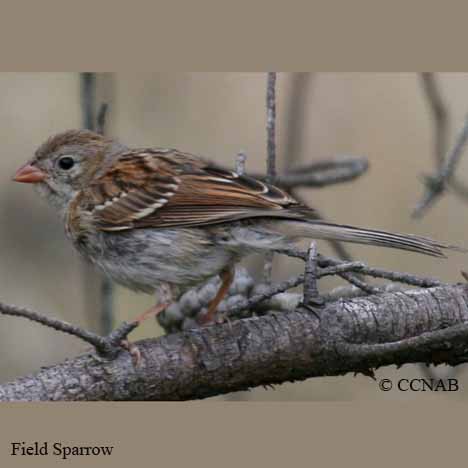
x: 162, y: 220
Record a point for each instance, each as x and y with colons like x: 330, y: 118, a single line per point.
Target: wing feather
x: 161, y: 188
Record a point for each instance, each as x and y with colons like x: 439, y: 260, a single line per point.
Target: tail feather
x: 323, y: 230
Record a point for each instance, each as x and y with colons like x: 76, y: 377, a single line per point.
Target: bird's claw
x: 133, y: 350
x: 223, y: 318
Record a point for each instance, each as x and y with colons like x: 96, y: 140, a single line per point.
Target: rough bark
x: 355, y: 335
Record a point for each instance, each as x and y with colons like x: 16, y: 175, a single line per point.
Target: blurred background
x: 384, y: 117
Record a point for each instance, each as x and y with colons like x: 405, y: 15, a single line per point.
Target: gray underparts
x: 142, y: 259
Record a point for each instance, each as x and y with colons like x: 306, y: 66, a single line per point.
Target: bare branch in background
x: 97, y: 124
x: 88, y: 99
x: 295, y: 116
x: 440, y: 116
x: 271, y: 154
x: 445, y: 176
x: 107, y: 287
x: 321, y: 173
x: 106, y: 346
x: 240, y: 163
x: 311, y: 292
x: 101, y: 118
x: 271, y: 127
x: 437, y: 184
x: 406, y: 278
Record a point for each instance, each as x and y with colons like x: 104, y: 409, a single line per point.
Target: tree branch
x: 105, y: 345
x: 271, y: 126
x: 444, y: 176
x: 323, y: 173
x: 355, y: 335
x: 271, y: 154
x: 437, y: 184
x: 98, y: 124
x: 439, y: 113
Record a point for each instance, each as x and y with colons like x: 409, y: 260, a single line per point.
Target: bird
x: 161, y: 221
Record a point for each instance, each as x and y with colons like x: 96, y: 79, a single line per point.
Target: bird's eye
x: 66, y: 163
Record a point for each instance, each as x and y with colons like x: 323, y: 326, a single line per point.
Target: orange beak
x: 29, y: 174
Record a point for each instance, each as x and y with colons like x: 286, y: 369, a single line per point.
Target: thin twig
x: 107, y: 287
x: 437, y: 184
x: 101, y: 118
x: 322, y: 173
x: 349, y: 292
x: 271, y: 127
x: 292, y: 283
x: 56, y: 324
x: 268, y: 267
x: 295, y: 114
x: 399, y: 277
x: 107, y: 346
x: 240, y: 163
x: 359, y: 283
x: 405, y: 278
x: 395, y: 276
x: 271, y: 154
x: 88, y: 99
x: 349, y: 277
x: 455, y: 154
x: 97, y: 124
x: 115, y: 338
x: 439, y: 113
x: 440, y: 117
x: 107, y: 306
x: 311, y: 274
x: 92, y: 281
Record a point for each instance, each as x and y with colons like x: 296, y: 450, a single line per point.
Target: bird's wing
x: 166, y: 188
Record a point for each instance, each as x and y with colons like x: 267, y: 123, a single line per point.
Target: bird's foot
x: 223, y: 318
x: 133, y: 350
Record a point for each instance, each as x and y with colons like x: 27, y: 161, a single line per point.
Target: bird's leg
x: 152, y: 312
x: 164, y: 301
x: 227, y: 276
